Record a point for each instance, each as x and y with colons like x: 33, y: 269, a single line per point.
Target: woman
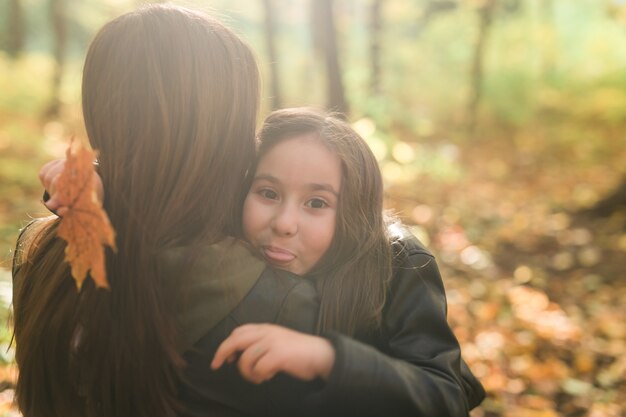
x: 170, y: 101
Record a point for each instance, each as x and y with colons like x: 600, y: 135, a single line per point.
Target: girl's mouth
x: 277, y: 255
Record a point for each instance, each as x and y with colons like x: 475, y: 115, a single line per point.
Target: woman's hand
x: 49, y: 174
x: 267, y: 349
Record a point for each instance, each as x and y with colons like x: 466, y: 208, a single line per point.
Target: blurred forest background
x: 500, y: 128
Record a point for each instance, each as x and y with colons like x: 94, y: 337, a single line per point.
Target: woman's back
x: 169, y: 101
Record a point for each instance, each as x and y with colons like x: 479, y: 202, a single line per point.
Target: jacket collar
x: 215, y: 284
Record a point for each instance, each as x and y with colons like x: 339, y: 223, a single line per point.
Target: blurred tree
x: 325, y: 40
x: 613, y: 202
x: 375, y: 32
x: 270, y: 43
x: 485, y: 19
x: 58, y: 21
x: 549, y: 63
x: 15, y: 29
x: 432, y: 9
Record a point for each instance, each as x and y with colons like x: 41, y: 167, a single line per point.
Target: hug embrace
x: 252, y: 277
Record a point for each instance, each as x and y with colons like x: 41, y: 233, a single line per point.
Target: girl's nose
x: 285, y: 223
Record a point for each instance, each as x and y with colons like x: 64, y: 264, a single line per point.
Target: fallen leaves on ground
x: 535, y: 291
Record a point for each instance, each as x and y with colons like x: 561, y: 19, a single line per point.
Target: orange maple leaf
x: 84, y: 225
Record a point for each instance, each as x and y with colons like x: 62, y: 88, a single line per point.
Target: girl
x: 315, y: 208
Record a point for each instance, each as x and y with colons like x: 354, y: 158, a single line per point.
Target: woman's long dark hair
x: 169, y: 100
x: 352, y: 276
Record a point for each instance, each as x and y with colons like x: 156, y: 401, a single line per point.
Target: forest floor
x: 534, y: 288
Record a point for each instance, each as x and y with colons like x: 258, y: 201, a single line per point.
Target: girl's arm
x: 419, y: 371
x: 48, y: 175
x: 266, y: 349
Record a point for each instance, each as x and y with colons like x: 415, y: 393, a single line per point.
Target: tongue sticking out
x: 277, y: 255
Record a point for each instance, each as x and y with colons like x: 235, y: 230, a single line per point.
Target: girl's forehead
x: 292, y: 143
x: 301, y: 159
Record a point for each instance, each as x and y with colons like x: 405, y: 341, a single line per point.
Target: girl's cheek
x: 248, y: 217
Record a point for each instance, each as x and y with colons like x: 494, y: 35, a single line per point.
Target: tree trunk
x: 549, y: 63
x: 325, y: 34
x: 57, y: 13
x: 613, y: 202
x: 15, y: 28
x: 485, y: 15
x: 376, y: 23
x: 270, y: 42
x: 433, y: 9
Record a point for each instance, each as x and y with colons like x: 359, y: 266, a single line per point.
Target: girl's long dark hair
x: 352, y: 276
x: 169, y: 99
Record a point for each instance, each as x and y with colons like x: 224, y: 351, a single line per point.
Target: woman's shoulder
x: 216, y: 277
x: 28, y: 238
x: 33, y: 228
x: 283, y: 298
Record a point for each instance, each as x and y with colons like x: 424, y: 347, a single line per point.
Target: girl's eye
x: 269, y: 194
x: 316, y: 203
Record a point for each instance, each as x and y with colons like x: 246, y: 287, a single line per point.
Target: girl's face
x: 290, y: 211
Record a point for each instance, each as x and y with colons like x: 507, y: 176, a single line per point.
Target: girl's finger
x: 266, y: 367
x: 99, y: 187
x: 49, y: 173
x: 238, y: 341
x: 52, y: 204
x: 46, y: 168
x: 248, y: 360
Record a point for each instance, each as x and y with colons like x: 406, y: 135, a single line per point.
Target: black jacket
x: 411, y: 367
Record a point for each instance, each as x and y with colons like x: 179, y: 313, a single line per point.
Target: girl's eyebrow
x: 266, y: 177
x: 323, y: 187
x: 313, y: 186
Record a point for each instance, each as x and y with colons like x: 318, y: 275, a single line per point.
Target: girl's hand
x: 48, y: 175
x: 267, y: 349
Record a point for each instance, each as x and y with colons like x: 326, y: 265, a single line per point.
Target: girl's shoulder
x: 405, y: 244
x: 414, y: 266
